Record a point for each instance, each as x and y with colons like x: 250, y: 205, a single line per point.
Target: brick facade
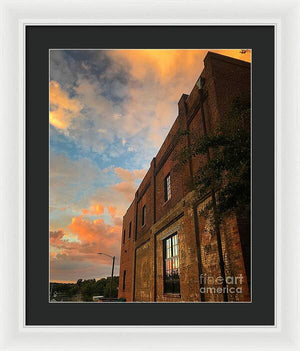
x: 142, y: 254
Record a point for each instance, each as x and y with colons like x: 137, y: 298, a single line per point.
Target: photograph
x: 150, y: 185
x: 150, y: 175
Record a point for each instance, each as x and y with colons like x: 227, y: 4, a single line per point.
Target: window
x: 171, y: 265
x: 124, y: 279
x: 124, y: 236
x: 167, y: 187
x: 129, y: 234
x: 144, y: 215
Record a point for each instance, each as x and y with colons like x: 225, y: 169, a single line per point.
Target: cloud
x: 139, y: 173
x: 73, y: 181
x: 109, y: 197
x: 112, y: 211
x: 125, y: 174
x: 91, y: 95
x: 125, y: 188
x: 128, y: 175
x: 76, y: 250
x: 135, y: 91
x: 67, y: 270
x: 164, y: 64
x: 62, y: 108
x: 95, y: 231
x: 128, y: 187
x: 56, y: 236
x: 167, y: 64
x: 97, y: 209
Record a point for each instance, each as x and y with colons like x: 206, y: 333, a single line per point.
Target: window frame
x: 129, y: 230
x: 124, y: 280
x: 165, y: 258
x: 124, y: 233
x: 167, y: 188
x: 143, y: 215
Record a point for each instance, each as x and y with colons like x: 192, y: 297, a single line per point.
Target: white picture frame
x: 15, y: 15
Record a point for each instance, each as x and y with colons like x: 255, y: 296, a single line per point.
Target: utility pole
x: 112, y: 275
x: 112, y: 270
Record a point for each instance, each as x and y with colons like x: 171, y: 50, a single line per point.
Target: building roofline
x: 214, y: 55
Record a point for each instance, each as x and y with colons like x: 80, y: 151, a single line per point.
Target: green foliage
x: 74, y: 290
x: 85, y: 289
x: 114, y: 287
x: 228, y: 153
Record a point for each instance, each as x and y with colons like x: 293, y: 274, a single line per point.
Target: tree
x: 73, y: 291
x: 100, y: 286
x: 226, y: 172
x: 87, y: 289
x: 114, y: 287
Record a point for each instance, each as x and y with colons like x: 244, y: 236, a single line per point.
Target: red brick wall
x: 145, y: 200
x: 144, y: 272
x: 178, y: 180
x: 127, y: 252
x: 196, y: 130
x: 231, y: 79
x: 233, y: 259
x: 178, y: 123
x: 232, y: 256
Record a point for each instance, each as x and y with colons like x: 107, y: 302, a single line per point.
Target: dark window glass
x: 129, y: 234
x: 144, y: 215
x: 171, y: 265
x: 124, y: 279
x: 124, y: 236
x: 167, y: 184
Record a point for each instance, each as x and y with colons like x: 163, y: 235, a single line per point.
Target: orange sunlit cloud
x: 167, y: 63
x: 130, y: 176
x: 63, y: 108
x: 112, y: 211
x: 127, y: 188
x: 91, y: 230
x: 93, y: 235
x: 97, y: 209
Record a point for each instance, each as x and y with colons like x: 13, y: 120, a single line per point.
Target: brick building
x: 168, y: 251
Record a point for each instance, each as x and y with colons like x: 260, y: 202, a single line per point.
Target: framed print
x: 134, y: 191
x: 149, y: 183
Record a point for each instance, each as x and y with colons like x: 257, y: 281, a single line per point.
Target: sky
x: 110, y: 111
